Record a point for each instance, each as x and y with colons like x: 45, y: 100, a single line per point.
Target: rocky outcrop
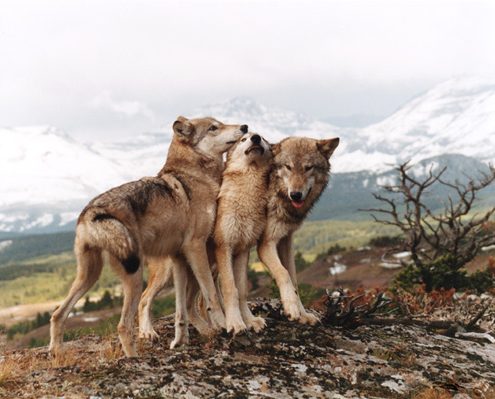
x: 286, y: 360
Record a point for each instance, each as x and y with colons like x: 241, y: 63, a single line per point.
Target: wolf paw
x: 236, y: 324
x: 217, y: 319
x: 292, y: 310
x: 202, y: 327
x: 148, y: 334
x: 179, y: 341
x: 256, y: 324
x: 308, y: 318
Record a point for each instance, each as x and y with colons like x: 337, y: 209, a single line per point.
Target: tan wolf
x: 299, y: 173
x: 171, y: 215
x: 241, y: 219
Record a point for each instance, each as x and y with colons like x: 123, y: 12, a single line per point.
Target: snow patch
x: 389, y: 265
x: 44, y: 220
x: 67, y: 217
x: 90, y: 319
x: 385, y: 181
x: 402, y: 255
x: 337, y: 268
x: 5, y: 244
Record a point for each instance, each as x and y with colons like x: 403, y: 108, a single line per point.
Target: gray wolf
x: 170, y: 215
x: 241, y: 219
x: 300, y: 170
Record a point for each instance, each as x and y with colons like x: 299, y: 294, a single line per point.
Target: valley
x: 334, y: 254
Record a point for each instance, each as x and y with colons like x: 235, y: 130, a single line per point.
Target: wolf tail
x: 105, y: 231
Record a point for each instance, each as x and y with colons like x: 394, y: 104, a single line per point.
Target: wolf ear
x: 327, y: 147
x: 183, y: 127
x: 275, y: 148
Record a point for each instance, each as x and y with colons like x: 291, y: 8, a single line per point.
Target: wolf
x: 241, y: 219
x: 300, y: 171
x: 167, y: 216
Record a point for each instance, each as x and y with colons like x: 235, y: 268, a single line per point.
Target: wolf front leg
x: 252, y: 322
x: 267, y: 251
x: 286, y: 253
x: 198, y: 259
x: 230, y: 292
x: 181, y: 320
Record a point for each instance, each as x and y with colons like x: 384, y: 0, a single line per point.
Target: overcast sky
x: 104, y: 69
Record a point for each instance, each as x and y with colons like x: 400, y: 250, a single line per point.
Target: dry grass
x: 14, y: 366
x: 8, y: 368
x: 433, y: 393
x: 111, y: 349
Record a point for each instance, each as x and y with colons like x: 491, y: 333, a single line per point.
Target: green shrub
x: 332, y: 250
x: 24, y: 327
x: 300, y: 262
x: 385, y: 241
x: 309, y: 294
x: 445, y: 272
x: 163, y: 306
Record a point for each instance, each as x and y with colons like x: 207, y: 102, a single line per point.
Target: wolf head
x: 250, y: 149
x: 301, y: 168
x: 207, y: 135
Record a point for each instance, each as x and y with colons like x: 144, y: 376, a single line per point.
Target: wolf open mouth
x: 255, y: 147
x: 297, y: 204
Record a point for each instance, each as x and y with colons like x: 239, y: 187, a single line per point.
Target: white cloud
x: 151, y: 61
x: 128, y: 108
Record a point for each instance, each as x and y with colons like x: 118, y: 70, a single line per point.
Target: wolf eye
x: 213, y: 128
x: 308, y: 168
x: 288, y: 167
x: 244, y: 139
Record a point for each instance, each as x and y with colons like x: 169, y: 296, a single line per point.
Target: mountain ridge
x: 51, y: 176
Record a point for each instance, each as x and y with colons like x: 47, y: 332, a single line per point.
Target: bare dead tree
x: 456, y: 230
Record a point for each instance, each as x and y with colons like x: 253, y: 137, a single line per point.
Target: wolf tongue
x: 297, y: 204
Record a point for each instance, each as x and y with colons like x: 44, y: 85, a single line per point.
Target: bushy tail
x: 104, y: 231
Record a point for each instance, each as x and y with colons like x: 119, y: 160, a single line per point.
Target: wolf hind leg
x: 160, y: 275
x: 133, y: 287
x: 198, y: 259
x: 201, y: 325
x: 240, y: 266
x: 89, y: 266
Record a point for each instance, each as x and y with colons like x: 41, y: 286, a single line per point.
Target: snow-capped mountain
x: 142, y: 155
x: 273, y: 123
x: 47, y: 177
x: 455, y: 117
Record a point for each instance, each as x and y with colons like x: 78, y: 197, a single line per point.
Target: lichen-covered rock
x: 286, y: 360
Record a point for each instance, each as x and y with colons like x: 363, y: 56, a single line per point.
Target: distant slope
x: 349, y: 192
x: 19, y: 249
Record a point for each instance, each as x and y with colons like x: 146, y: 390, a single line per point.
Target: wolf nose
x: 256, y: 138
x: 296, y: 196
x: 244, y: 128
